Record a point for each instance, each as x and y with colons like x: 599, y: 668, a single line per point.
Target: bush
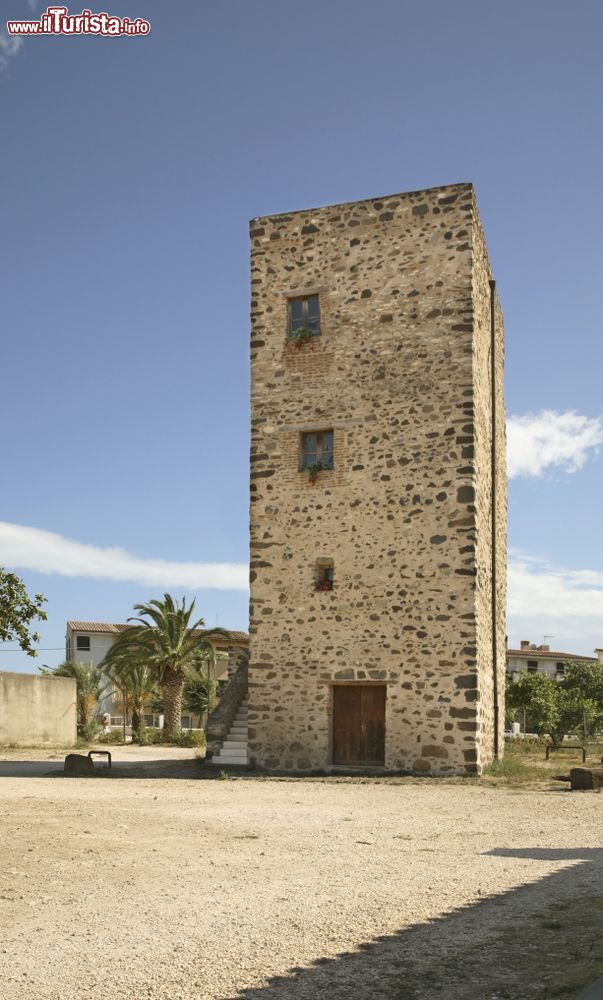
x: 192, y: 738
x: 88, y: 732
x: 184, y: 738
x: 147, y: 737
x: 113, y: 736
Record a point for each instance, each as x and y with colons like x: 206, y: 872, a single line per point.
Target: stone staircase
x: 233, y: 752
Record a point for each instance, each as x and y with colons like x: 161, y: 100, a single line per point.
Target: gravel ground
x: 282, y: 890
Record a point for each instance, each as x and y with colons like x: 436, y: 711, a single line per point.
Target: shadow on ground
x: 542, y: 940
x: 141, y: 769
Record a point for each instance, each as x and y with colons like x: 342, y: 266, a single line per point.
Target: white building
x: 533, y: 659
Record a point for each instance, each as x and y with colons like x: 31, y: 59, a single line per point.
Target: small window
x: 317, y: 451
x: 324, y: 574
x: 532, y: 666
x: 560, y: 668
x: 82, y: 643
x: 304, y: 317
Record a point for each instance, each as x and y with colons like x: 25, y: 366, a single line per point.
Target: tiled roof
x: 547, y: 654
x: 95, y: 627
x: 113, y: 629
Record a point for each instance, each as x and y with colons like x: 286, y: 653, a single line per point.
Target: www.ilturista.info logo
x: 58, y: 21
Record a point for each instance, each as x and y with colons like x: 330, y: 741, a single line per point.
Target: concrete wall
x: 400, y: 372
x: 37, y: 710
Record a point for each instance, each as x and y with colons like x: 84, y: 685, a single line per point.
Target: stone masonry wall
x: 404, y: 514
x: 484, y: 393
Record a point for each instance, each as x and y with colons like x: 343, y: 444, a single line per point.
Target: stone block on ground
x: 78, y: 766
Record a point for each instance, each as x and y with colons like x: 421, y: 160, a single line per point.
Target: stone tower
x: 378, y: 488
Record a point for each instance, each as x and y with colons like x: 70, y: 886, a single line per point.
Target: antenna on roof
x: 545, y: 637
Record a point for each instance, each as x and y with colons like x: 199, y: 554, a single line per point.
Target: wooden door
x: 359, y: 724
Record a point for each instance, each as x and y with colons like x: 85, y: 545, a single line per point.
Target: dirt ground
x: 188, y: 888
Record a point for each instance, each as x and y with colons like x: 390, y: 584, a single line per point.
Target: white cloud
x: 548, y: 599
x: 46, y: 552
x: 9, y: 46
x: 539, y: 441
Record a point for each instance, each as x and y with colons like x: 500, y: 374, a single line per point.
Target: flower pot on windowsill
x: 314, y: 471
x: 303, y: 335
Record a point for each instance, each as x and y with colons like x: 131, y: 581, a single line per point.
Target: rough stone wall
x: 392, y: 374
x: 486, y: 551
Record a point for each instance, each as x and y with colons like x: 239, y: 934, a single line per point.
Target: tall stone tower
x: 378, y: 488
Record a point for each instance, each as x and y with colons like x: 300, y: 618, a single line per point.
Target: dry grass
x: 524, y: 763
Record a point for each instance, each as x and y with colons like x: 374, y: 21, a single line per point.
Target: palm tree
x: 171, y: 644
x: 127, y: 665
x: 91, y: 687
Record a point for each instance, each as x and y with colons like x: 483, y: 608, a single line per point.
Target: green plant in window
x: 313, y: 470
x: 302, y: 335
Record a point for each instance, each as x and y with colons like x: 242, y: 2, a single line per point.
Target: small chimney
x: 544, y: 649
x: 525, y: 643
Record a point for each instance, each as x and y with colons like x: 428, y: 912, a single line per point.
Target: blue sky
x: 130, y: 168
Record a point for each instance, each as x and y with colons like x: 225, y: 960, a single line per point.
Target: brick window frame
x: 317, y: 447
x: 303, y: 312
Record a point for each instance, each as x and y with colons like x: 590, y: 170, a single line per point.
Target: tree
x: 574, y: 705
x: 199, y: 691
x: 18, y: 611
x: 201, y: 687
x: 126, y: 664
x: 171, y: 644
x: 581, y: 693
x: 585, y: 680
x: 536, y: 694
x: 91, y: 686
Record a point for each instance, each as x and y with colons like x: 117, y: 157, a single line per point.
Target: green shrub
x: 184, y: 738
x: 113, y: 736
x: 147, y: 737
x: 192, y: 738
x: 88, y: 732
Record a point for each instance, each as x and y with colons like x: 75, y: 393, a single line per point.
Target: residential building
x: 533, y: 659
x: 378, y: 488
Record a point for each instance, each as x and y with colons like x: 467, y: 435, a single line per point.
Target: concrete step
x: 233, y: 751
x: 239, y: 761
